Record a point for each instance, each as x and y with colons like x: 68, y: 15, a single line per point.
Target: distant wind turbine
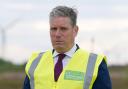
x: 93, y: 44
x: 3, y: 36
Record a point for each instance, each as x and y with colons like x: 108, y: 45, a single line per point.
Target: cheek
x: 52, y: 36
x: 69, y: 37
x: 74, y: 33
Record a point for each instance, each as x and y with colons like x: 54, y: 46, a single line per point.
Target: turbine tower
x: 92, y: 44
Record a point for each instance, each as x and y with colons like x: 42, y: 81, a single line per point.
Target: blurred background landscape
x: 24, y: 28
x: 12, y: 76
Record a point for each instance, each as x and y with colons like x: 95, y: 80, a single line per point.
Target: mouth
x: 58, y: 42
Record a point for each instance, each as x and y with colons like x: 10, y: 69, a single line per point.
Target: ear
x: 76, y: 29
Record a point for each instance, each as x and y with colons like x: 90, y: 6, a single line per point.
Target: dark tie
x: 58, y: 66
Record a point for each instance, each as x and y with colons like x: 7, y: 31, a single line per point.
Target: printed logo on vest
x: 74, y: 75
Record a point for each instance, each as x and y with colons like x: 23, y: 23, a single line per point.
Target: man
x: 66, y: 66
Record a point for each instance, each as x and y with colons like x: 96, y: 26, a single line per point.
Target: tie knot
x: 61, y: 56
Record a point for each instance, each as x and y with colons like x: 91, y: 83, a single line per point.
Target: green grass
x: 8, y: 66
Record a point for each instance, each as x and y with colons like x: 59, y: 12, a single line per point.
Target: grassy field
x: 119, y: 77
x: 12, y: 76
x: 11, y: 80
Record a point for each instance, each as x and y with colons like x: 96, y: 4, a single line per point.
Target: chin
x: 59, y: 48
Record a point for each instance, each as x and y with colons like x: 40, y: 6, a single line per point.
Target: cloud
x: 103, y: 24
x: 117, y: 55
x: 122, y: 9
x: 41, y: 25
x: 17, y: 53
x: 17, y: 6
x: 23, y: 6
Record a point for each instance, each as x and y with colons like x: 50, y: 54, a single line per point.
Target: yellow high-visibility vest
x: 80, y: 73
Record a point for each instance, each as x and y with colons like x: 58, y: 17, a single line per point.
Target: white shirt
x: 68, y: 56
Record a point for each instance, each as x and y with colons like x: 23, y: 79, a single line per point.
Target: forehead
x: 60, y: 21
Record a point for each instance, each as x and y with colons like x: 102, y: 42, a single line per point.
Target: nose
x: 58, y: 33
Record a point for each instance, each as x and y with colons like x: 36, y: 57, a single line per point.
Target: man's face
x: 62, y: 33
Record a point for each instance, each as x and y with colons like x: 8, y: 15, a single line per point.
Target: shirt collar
x: 69, y: 53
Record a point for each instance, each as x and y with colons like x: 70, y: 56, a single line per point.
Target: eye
x: 53, y: 29
x: 63, y: 28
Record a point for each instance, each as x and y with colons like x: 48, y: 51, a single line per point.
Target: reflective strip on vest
x: 90, y: 70
x: 32, y: 69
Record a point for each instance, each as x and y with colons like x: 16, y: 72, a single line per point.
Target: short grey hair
x: 65, y: 11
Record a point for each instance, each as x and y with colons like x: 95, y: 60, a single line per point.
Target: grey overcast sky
x: 103, y: 21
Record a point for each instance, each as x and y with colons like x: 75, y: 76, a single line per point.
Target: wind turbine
x: 3, y: 36
x: 92, y: 44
